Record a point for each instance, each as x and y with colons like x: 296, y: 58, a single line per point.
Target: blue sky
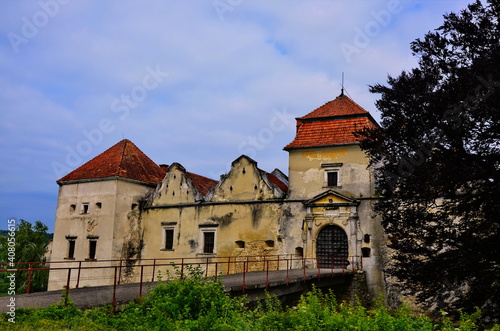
x: 195, y: 82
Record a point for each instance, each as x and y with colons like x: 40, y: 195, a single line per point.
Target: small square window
x: 72, y: 208
x: 85, y: 208
x: 98, y: 205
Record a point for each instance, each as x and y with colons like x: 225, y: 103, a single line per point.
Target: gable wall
x: 243, y: 183
x: 175, y: 188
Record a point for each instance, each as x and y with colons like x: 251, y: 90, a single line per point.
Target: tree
x: 30, y: 246
x: 437, y: 161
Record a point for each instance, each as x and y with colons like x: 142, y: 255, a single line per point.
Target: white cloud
x: 225, y: 77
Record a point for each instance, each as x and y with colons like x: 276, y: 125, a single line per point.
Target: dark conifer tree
x: 437, y: 156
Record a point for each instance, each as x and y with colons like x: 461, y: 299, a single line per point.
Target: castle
x: 121, y: 205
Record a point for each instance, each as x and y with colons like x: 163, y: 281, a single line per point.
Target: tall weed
x: 198, y: 303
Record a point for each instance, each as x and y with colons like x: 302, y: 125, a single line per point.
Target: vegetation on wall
x: 437, y: 158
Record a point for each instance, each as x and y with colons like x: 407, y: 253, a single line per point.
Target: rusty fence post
x: 140, y: 285
x: 267, y: 275
x: 154, y: 270
x: 287, y: 276
x: 318, y: 262
x: 244, y: 285
x: 304, y: 268
x: 67, y: 287
x: 120, y: 272
x: 78, y: 277
x: 113, y: 302
x: 30, y: 272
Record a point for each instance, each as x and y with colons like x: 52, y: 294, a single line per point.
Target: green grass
x: 196, y: 303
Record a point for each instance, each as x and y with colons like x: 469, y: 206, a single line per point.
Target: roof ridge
x: 119, y: 170
x: 340, y: 106
x: 200, y: 175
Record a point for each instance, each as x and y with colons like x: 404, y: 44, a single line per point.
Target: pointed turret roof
x: 334, y: 123
x: 124, y: 160
x: 341, y: 106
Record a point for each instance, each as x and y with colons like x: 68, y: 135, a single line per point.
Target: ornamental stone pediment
x: 330, y: 200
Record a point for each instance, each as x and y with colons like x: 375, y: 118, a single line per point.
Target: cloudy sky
x: 194, y: 82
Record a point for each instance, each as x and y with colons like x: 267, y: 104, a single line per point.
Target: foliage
x: 30, y: 246
x: 195, y: 303
x: 437, y: 161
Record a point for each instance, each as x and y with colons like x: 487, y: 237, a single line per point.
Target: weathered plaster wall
x: 112, y: 220
x: 243, y: 183
x: 307, y: 180
x: 175, y: 188
x: 241, y: 229
x: 307, y: 176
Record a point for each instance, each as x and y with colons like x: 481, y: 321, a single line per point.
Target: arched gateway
x: 332, y: 248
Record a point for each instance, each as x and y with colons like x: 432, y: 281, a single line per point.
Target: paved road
x: 103, y: 295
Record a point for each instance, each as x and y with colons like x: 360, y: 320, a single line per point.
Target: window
x: 332, y: 174
x: 92, y: 249
x: 72, y: 208
x: 208, y: 238
x: 98, y: 205
x: 85, y: 208
x: 92, y: 246
x: 332, y: 178
x: 168, y: 229
x: 169, y: 238
x: 71, y: 251
x: 71, y: 247
x: 208, y: 242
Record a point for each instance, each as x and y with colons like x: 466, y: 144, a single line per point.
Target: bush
x: 197, y: 303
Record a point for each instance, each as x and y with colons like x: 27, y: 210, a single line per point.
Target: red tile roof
x: 331, y: 124
x: 342, y: 105
x: 203, y: 184
x: 275, y: 180
x: 328, y: 133
x: 121, y: 160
